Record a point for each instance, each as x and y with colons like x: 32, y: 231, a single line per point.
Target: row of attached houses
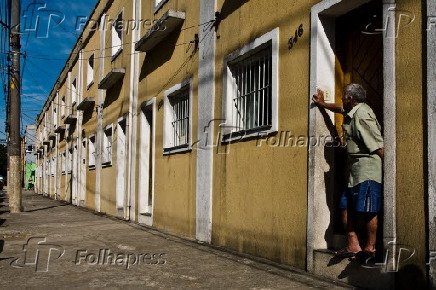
x: 195, y: 117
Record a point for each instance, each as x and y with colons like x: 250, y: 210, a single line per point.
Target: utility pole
x: 14, y: 182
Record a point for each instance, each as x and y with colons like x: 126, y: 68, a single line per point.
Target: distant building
x: 30, y: 157
x: 192, y: 125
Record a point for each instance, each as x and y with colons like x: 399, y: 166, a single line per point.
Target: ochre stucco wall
x: 159, y: 70
x: 260, y: 194
x: 410, y: 98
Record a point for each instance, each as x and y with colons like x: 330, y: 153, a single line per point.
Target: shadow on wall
x: 334, y: 180
x: 160, y: 54
x: 113, y: 94
x: 87, y: 115
x: 231, y: 6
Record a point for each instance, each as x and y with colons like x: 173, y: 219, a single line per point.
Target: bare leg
x: 371, y: 227
x: 353, y: 241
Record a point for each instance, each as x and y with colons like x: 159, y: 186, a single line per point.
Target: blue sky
x: 47, y: 47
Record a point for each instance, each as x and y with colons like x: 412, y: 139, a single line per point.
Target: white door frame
x: 145, y: 211
x: 322, y: 66
x: 121, y: 168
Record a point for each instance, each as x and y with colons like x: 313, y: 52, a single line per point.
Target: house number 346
x: 298, y: 33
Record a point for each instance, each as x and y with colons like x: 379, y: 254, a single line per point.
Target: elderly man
x: 365, y: 153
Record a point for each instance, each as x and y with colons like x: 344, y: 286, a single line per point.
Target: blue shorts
x: 364, y: 197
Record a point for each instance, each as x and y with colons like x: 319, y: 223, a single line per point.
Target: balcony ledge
x: 86, y: 104
x: 60, y: 129
x: 71, y: 119
x: 171, y: 20
x: 112, y: 78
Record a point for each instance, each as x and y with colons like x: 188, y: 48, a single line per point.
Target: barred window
x: 180, y: 108
x: 177, y: 118
x: 251, y: 104
x: 250, y: 92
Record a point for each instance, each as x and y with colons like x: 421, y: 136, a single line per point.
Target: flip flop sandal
x: 364, y: 256
x: 345, y: 254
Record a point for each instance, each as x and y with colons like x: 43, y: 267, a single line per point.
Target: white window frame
x: 63, y: 107
x: 106, y: 157
x: 64, y: 162
x: 70, y: 160
x: 55, y: 114
x: 73, y: 92
x: 91, y: 152
x: 229, y: 127
x: 52, y: 167
x: 117, y: 42
x: 90, y: 71
x: 158, y: 4
x: 169, y: 144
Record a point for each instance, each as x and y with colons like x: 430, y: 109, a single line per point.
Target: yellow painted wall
x: 116, y: 102
x: 89, y: 117
x: 167, y: 65
x: 260, y: 194
x: 411, y: 228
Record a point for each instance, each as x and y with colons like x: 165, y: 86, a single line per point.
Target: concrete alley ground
x: 66, y: 246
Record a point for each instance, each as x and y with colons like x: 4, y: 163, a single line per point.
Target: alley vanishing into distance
x: 67, y: 246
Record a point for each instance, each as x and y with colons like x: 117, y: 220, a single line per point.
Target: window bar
x: 245, y: 96
x: 241, y: 93
x: 259, y: 88
x: 235, y: 100
x: 250, y: 91
x: 255, y: 91
x: 267, y: 91
x: 239, y: 99
x: 184, y: 121
x: 187, y: 119
x: 177, y: 122
x: 251, y: 99
x: 262, y: 115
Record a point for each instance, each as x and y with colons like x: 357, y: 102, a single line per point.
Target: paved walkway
x: 71, y: 247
